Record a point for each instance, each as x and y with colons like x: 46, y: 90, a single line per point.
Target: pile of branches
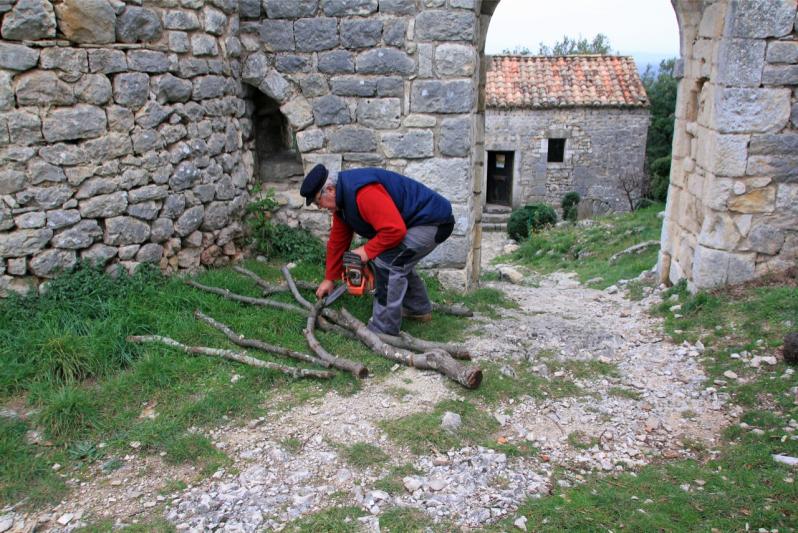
x: 403, y: 349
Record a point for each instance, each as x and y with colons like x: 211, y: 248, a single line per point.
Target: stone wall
x: 601, y: 145
x: 120, y: 136
x: 388, y: 83
x: 732, y: 211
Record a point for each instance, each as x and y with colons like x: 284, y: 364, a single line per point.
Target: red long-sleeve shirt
x: 377, y: 208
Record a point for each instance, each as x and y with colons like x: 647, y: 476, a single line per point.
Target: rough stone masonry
x: 127, y: 133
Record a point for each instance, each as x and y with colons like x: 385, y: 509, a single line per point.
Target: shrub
x: 532, y: 217
x: 569, y: 204
x: 278, y: 240
x: 660, y: 178
x: 68, y: 413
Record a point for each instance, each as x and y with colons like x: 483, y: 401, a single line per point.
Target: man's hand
x: 325, y: 288
x: 361, y: 252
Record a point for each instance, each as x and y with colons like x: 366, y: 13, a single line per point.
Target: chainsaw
x: 358, y: 278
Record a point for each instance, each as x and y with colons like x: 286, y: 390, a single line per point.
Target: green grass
x: 587, y: 250
x: 743, y: 488
x: 392, y: 483
x: 155, y: 525
x: 64, y: 356
x: 620, y: 392
x: 362, y: 455
x: 581, y: 440
x: 332, y: 520
x: 497, y: 387
x: 588, y: 369
x: 402, y: 520
x: 422, y: 432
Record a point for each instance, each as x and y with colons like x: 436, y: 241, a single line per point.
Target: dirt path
x: 642, y: 399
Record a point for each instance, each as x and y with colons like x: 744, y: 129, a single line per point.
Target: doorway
x: 500, y: 178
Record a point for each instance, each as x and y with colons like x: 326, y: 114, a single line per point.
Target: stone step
x: 495, y: 218
x: 495, y: 208
x: 494, y: 228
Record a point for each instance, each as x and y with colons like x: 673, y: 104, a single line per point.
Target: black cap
x: 313, y: 183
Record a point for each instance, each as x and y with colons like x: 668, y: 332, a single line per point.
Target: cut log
x: 454, y: 310
x: 323, y: 323
x: 633, y: 250
x: 357, y: 369
x: 232, y: 355
x: 224, y: 293
x: 468, y: 376
x: 240, y: 340
x: 408, y: 342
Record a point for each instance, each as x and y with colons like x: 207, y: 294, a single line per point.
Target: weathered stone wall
x: 120, y: 136
x: 601, y: 145
x: 389, y: 83
x: 732, y: 211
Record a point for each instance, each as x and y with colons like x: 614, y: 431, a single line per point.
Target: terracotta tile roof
x: 564, y: 81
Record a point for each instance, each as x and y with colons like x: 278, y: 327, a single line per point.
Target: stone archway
x: 733, y: 199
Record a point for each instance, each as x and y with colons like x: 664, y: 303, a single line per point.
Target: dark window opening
x: 556, y: 151
x: 276, y: 154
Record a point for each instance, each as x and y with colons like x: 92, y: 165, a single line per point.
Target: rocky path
x: 651, y: 405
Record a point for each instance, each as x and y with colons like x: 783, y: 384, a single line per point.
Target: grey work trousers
x: 399, y: 287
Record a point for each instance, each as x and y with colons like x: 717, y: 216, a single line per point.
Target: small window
x: 556, y: 151
x: 500, y: 160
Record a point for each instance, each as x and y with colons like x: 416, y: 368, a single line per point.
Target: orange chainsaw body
x: 358, y: 276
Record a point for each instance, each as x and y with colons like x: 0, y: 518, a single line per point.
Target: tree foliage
x: 661, y: 87
x: 600, y: 44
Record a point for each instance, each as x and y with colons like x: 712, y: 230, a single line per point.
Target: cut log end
x: 473, y: 378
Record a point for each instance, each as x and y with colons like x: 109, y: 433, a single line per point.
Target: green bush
x: 278, y: 240
x: 569, y: 204
x: 532, y: 217
x: 660, y: 178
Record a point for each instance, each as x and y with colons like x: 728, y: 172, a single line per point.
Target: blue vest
x: 418, y: 204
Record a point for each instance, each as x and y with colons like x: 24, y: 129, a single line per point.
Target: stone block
x: 311, y: 139
x: 51, y: 263
x: 756, y: 201
x: 343, y: 8
x: 780, y: 75
x: 390, y: 86
x: 452, y: 253
x: 719, y: 231
x: 41, y: 171
x: 442, y: 96
x: 17, y: 57
x: 712, y: 20
x: 190, y: 67
x: 412, y: 144
x: 99, y: 254
x: 740, y: 62
x: 108, y: 147
x: 290, y: 9
x: 395, y: 32
x: 178, y: 42
x: 765, y: 238
x: 50, y: 197
x: 217, y: 216
x: 61, y: 218
x: 455, y: 137
x: 331, y: 161
x: 352, y: 139
x: 751, y: 110
x: 360, y: 33
x: 127, y: 253
x: 329, y: 110
x: 107, y: 61
x: 190, y: 221
x: 455, y: 60
x: 299, y: 113
x: 214, y: 21
x: 206, y: 87
x: 450, y: 177
x: 17, y: 266
x: 314, y: 85
x: 79, y: 122
x: 122, y: 231
x: 385, y: 61
x: 292, y: 63
x: 144, y: 210
x: 203, y: 44
x: 316, y: 34
x: 380, y: 113
x: 783, y: 52
x: 336, y: 62
x: 82, y: 235
x: 148, y: 61
x: 33, y: 220
x: 181, y: 20
x: 104, y: 206
x: 354, y: 86
x: 162, y: 229
x: 185, y: 176
x: 29, y: 20
x: 419, y: 121
x: 150, y: 253
x: 24, y: 242
x: 94, y: 89
x: 398, y: 7
x: 277, y: 35
x: 138, y: 24
x: 759, y: 19
x: 43, y: 88
x: 439, y: 25
x: 131, y: 89
x: 87, y: 21
x: 249, y: 9
x: 173, y: 206
x: 23, y: 128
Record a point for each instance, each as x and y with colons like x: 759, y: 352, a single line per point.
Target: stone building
x: 135, y: 133
x: 560, y: 124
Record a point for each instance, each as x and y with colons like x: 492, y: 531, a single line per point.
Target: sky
x: 645, y: 29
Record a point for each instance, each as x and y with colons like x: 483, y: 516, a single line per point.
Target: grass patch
x: 581, y: 440
x: 621, y: 392
x: 586, y: 249
x: 516, y: 381
x: 156, y: 525
x: 64, y: 353
x: 588, y: 369
x: 362, y: 455
x: 291, y: 445
x: 402, y: 519
x: 333, y: 520
x: 398, y: 392
x: 392, y: 483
